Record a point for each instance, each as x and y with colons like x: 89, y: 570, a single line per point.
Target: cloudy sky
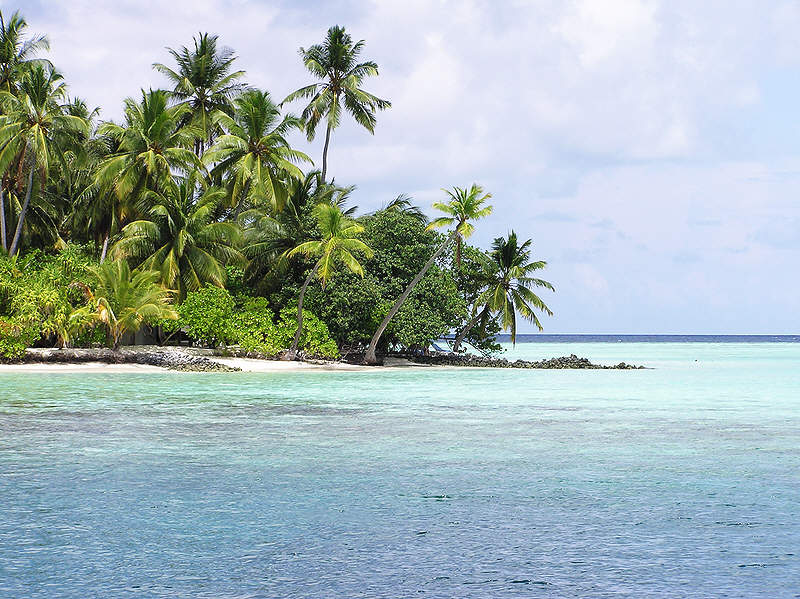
x: 650, y: 148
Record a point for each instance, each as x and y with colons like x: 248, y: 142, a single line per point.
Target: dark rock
x: 564, y: 362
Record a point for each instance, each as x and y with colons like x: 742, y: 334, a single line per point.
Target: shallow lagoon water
x: 678, y: 481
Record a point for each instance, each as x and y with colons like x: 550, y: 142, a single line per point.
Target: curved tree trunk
x: 22, y: 213
x: 470, y: 325
x: 3, y: 218
x: 291, y: 353
x: 325, y: 152
x: 370, y: 357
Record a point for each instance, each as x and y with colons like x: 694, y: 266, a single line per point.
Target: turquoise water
x: 679, y: 481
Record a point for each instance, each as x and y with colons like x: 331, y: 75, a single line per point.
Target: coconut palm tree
x: 465, y: 205
x: 16, y: 52
x: 32, y: 126
x: 339, y: 241
x: 270, y: 236
x: 509, y: 287
x: 205, y: 82
x: 123, y: 300
x: 335, y: 62
x: 254, y: 154
x: 152, y: 145
x: 181, y: 239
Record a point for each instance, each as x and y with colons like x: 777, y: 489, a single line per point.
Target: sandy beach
x: 246, y: 364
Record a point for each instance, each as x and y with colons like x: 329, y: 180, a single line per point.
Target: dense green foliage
x: 192, y: 217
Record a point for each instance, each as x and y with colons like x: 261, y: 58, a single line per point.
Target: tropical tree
x: 152, y: 145
x: 123, y: 300
x: 254, y: 154
x: 205, y: 82
x: 508, y: 288
x: 181, y: 238
x: 464, y: 205
x: 339, y: 241
x: 269, y: 236
x: 16, y: 52
x: 335, y: 62
x: 33, y: 124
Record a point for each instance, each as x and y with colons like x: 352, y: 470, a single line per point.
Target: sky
x: 651, y: 149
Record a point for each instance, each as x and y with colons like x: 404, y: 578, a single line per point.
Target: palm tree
x: 30, y: 131
x: 16, y: 53
x: 151, y: 147
x: 204, y: 82
x: 464, y: 206
x: 123, y: 301
x: 338, y: 243
x: 335, y: 62
x: 181, y: 240
x: 269, y: 236
x: 508, y: 290
x: 254, y: 152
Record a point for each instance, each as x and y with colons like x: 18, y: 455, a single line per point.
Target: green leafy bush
x: 206, y: 316
x: 256, y: 329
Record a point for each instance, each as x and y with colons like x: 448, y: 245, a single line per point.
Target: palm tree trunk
x: 291, y: 353
x: 22, y: 213
x: 370, y: 357
x: 470, y: 325
x: 3, y: 218
x: 325, y: 152
x: 105, y: 249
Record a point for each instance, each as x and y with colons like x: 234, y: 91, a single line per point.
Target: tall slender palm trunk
x: 105, y: 249
x: 469, y: 326
x: 291, y: 353
x: 18, y: 232
x: 325, y: 152
x: 3, y: 218
x: 370, y: 357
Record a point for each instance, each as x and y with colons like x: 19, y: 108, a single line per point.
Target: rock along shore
x: 564, y: 362
x: 165, y: 358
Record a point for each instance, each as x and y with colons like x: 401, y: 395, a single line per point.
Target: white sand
x: 246, y: 364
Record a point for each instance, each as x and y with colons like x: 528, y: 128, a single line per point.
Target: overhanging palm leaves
x: 205, y: 82
x: 254, y: 154
x: 123, y: 300
x: 16, y: 52
x: 335, y: 62
x: 151, y: 146
x: 181, y: 238
x: 30, y: 130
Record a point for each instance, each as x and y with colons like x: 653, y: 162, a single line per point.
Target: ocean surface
x: 682, y: 480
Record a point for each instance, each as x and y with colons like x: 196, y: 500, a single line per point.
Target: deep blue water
x: 678, y: 481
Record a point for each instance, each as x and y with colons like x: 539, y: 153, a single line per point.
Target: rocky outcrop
x: 165, y: 358
x: 564, y: 362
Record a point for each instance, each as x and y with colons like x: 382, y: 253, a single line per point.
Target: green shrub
x: 256, y: 329
x: 206, y: 316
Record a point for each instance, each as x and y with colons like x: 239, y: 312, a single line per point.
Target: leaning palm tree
x: 205, y: 82
x: 465, y: 205
x: 16, y: 52
x: 508, y: 289
x: 254, y: 153
x: 33, y: 123
x: 152, y: 145
x: 123, y: 300
x: 338, y: 244
x: 181, y: 239
x: 335, y: 62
